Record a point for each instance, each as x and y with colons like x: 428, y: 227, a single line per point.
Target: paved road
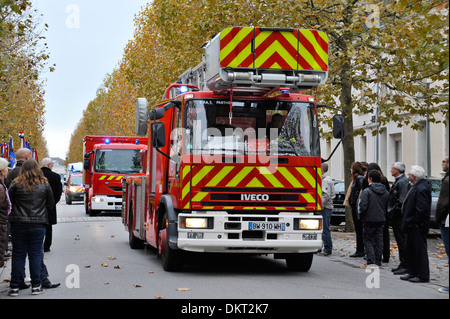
x: 91, y: 259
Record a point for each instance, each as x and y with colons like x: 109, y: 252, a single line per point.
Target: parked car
x: 338, y: 215
x: 74, y: 188
x: 435, y: 185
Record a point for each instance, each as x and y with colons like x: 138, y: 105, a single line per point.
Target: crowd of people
x: 28, y: 197
x: 405, y: 206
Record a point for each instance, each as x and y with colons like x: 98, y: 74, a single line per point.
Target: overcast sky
x: 86, y: 39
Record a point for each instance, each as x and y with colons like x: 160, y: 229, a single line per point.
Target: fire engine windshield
x: 121, y: 161
x: 251, y: 127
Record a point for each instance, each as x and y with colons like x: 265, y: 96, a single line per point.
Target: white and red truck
x: 107, y: 160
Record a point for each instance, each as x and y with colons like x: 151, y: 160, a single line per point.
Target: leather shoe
x: 406, y: 277
x: 400, y: 271
x: 357, y: 255
x: 49, y: 285
x: 417, y: 279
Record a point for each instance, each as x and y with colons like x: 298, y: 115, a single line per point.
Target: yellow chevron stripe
x: 102, y: 178
x: 199, y: 196
x: 239, y: 177
x: 285, y: 172
x: 270, y: 177
x: 243, y: 54
x: 307, y: 176
x: 309, y: 198
x: 306, y: 54
x: 275, y: 47
x: 216, y: 179
x: 202, y: 173
x: 255, y: 183
x: 308, y: 35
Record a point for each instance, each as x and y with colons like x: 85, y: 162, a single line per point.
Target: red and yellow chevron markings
x: 110, y: 178
x: 247, y: 47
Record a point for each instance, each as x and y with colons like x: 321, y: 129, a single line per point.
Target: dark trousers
x: 417, y: 255
x: 373, y: 242
x: 400, y: 238
x: 359, y: 231
x: 48, y: 238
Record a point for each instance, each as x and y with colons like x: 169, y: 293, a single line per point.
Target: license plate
x: 266, y: 226
x: 309, y: 236
x: 118, y: 207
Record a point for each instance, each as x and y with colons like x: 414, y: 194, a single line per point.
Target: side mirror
x: 156, y: 114
x: 87, y: 164
x: 158, y: 134
x: 338, y: 126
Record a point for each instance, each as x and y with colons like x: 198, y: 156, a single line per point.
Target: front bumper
x: 105, y: 202
x: 233, y: 234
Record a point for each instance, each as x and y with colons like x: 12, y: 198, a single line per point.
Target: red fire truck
x: 107, y: 159
x: 234, y: 164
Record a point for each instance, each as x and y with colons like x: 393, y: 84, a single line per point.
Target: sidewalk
x: 344, y: 245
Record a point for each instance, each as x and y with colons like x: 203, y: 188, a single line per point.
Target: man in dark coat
x: 415, y: 224
x: 55, y: 182
x: 397, y: 194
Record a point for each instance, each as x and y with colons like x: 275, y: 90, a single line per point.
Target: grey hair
x: 46, y: 161
x: 324, y: 167
x: 3, y: 163
x: 418, y: 172
x: 399, y: 166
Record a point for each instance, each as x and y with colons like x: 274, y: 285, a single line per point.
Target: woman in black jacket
x: 31, y: 198
x: 357, y: 170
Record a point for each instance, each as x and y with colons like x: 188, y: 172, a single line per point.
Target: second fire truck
x: 234, y: 162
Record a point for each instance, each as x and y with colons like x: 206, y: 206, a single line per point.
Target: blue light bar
x: 184, y: 89
x: 107, y: 141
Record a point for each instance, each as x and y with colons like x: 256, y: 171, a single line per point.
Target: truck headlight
x: 98, y: 199
x: 195, y: 222
x: 308, y: 224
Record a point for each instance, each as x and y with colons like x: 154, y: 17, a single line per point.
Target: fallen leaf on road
x: 151, y: 272
x: 137, y: 286
x: 183, y: 289
x: 158, y: 297
x: 111, y: 258
x: 87, y: 266
x: 117, y: 267
x: 104, y: 265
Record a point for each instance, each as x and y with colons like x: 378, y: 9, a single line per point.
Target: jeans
x: 326, y: 235
x: 27, y: 241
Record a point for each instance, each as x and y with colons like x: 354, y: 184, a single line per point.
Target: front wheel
x: 171, y: 259
x: 299, y: 262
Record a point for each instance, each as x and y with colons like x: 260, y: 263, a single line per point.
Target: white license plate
x: 266, y: 226
x: 309, y: 236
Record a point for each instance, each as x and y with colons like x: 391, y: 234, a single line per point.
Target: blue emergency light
x: 184, y: 89
x: 107, y: 141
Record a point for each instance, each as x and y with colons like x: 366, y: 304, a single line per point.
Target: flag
x: 12, y: 156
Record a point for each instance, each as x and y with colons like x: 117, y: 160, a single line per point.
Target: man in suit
x: 397, y: 195
x: 415, y: 223
x: 56, y: 185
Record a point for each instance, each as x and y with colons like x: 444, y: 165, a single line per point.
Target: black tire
x: 171, y: 258
x: 299, y: 262
x: 135, y: 243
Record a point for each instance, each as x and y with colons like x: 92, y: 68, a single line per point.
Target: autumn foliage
x: 22, y: 60
x: 396, y: 45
